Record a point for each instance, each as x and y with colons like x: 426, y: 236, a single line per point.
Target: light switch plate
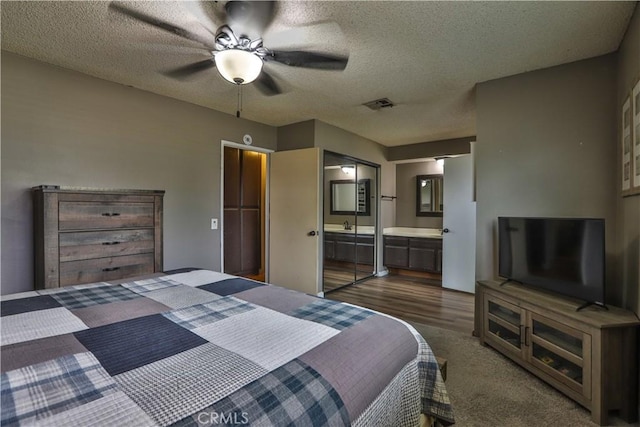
x: 214, y: 223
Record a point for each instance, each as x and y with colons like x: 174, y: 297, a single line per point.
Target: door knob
x: 312, y: 233
x: 446, y: 230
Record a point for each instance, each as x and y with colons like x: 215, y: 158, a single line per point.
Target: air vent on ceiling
x: 379, y: 104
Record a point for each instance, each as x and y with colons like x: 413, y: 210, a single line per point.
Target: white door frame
x: 267, y: 151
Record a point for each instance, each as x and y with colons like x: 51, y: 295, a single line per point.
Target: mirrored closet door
x: 350, y: 215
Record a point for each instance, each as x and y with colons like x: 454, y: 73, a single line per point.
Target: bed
x: 198, y: 347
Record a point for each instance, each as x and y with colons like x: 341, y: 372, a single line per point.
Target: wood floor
x: 336, y: 277
x: 409, y: 299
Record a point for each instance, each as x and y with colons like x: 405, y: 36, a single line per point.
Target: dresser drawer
x: 104, y: 269
x: 98, y: 215
x: 80, y: 245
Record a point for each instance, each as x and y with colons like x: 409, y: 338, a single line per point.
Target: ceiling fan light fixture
x: 238, y: 66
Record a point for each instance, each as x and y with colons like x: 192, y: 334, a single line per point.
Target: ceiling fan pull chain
x: 239, y: 104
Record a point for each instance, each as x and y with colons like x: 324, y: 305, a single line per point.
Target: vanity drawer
x: 344, y: 237
x: 98, y: 215
x: 365, y: 239
x: 396, y: 241
x: 81, y: 245
x: 425, y: 243
x: 105, y: 269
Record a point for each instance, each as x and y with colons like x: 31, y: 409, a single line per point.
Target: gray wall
x: 445, y: 147
x: 66, y: 128
x: 628, y: 230
x: 406, y: 191
x: 547, y: 147
x: 628, y: 207
x: 297, y: 135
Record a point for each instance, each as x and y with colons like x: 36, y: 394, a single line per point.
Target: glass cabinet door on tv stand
x: 503, y: 325
x: 561, y: 352
x: 557, y: 350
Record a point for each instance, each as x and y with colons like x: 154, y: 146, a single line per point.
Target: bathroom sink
x: 339, y: 228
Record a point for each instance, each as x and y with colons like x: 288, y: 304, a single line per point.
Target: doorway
x: 350, y: 215
x: 243, y: 221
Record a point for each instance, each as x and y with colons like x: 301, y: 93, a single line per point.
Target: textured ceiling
x: 424, y: 56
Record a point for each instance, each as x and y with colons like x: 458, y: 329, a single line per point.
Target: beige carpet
x: 487, y: 389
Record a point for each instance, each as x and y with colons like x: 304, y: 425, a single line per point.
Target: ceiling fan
x: 238, y: 56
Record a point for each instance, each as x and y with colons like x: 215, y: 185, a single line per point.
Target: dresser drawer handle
x: 111, y: 214
x: 111, y: 269
x: 110, y: 243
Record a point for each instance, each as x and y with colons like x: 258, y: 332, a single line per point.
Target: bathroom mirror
x: 348, y: 198
x: 429, y: 195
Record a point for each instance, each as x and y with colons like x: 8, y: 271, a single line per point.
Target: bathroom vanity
x: 415, y: 249
x: 344, y: 245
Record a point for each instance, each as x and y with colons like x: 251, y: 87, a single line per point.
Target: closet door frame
x: 375, y: 208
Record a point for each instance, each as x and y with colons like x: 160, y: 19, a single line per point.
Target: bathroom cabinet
x: 348, y: 247
x: 413, y: 253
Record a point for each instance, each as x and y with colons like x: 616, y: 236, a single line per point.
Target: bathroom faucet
x: 346, y: 225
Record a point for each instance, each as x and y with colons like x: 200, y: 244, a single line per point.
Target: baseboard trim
x: 382, y: 273
x: 435, y: 278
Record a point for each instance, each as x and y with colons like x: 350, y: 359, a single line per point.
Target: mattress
x: 200, y: 348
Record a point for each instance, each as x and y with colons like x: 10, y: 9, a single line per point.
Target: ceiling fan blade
x: 158, y: 23
x: 267, y: 85
x: 299, y: 58
x: 250, y: 16
x: 210, y: 14
x: 305, y: 36
x: 190, y: 69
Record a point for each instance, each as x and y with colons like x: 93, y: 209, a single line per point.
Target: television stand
x: 504, y: 282
x: 590, y: 356
x: 597, y: 304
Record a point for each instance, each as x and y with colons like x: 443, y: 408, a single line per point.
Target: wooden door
x: 242, y: 212
x: 294, y: 219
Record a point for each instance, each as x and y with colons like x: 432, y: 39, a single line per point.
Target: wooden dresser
x: 86, y: 235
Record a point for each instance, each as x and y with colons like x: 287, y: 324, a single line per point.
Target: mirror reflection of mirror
x: 429, y: 195
x: 347, y: 198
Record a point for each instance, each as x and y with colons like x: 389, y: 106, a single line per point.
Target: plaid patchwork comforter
x: 201, y: 348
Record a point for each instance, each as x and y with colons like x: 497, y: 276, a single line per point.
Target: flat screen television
x: 563, y: 255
